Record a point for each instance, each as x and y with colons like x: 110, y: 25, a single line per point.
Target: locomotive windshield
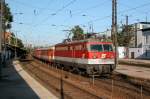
x: 107, y: 47
x: 100, y: 47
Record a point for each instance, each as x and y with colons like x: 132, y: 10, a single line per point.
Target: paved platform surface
x: 135, y: 62
x: 133, y: 71
x: 18, y: 84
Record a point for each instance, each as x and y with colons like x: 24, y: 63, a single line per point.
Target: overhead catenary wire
x: 95, y: 19
x: 90, y: 8
x: 128, y: 10
x: 33, y: 6
x: 34, y: 11
x: 68, y: 4
x: 123, y: 11
x: 56, y: 12
x: 139, y: 11
x: 86, y: 9
x: 36, y: 14
x: 26, y: 4
x: 109, y: 16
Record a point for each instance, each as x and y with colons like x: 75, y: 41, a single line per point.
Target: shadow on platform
x: 13, y: 86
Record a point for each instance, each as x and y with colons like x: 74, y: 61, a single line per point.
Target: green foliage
x: 19, y: 43
x: 12, y: 41
x: 121, y: 39
x: 8, y: 18
x: 125, y: 36
x: 78, y: 33
x: 16, y: 42
x: 106, y: 39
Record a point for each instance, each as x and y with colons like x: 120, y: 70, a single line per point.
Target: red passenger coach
x: 46, y: 54
x: 37, y: 53
x: 93, y: 57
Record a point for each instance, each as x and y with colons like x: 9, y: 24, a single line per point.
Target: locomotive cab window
x: 98, y: 48
x: 107, y: 47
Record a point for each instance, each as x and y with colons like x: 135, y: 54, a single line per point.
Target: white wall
x: 122, y: 52
x: 138, y: 52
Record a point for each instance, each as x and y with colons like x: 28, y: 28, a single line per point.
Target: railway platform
x: 135, y: 62
x: 135, y: 68
x: 137, y: 72
x: 18, y: 84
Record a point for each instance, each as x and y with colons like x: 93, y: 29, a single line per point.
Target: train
x: 86, y: 56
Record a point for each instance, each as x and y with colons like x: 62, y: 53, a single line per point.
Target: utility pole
x: 135, y: 34
x: 112, y: 26
x: 146, y: 19
x: 114, y: 29
x: 127, y: 31
x: 127, y: 19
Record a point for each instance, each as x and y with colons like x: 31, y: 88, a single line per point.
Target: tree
x: 77, y: 32
x: 125, y: 36
x: 19, y: 43
x: 16, y: 41
x: 8, y: 18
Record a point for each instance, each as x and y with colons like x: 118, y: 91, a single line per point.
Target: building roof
x: 146, y: 29
x: 144, y: 22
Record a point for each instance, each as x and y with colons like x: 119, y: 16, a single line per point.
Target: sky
x: 42, y: 22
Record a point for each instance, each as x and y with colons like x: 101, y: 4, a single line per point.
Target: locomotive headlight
x: 112, y: 56
x: 83, y: 55
x: 94, y: 56
x: 103, y: 56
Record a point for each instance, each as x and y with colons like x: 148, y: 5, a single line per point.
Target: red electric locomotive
x: 93, y: 57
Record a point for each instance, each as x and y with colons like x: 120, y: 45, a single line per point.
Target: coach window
x: 78, y: 47
x: 57, y: 48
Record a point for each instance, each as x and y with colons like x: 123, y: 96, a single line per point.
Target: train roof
x: 46, y: 48
x: 84, y: 41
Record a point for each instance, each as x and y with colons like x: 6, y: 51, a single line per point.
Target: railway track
x: 78, y: 87
x: 70, y: 91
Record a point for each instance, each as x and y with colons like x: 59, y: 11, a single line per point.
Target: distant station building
x: 8, y: 36
x: 140, y: 44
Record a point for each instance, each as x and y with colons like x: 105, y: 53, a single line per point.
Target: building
x: 8, y: 36
x: 140, y: 43
x: 138, y: 35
